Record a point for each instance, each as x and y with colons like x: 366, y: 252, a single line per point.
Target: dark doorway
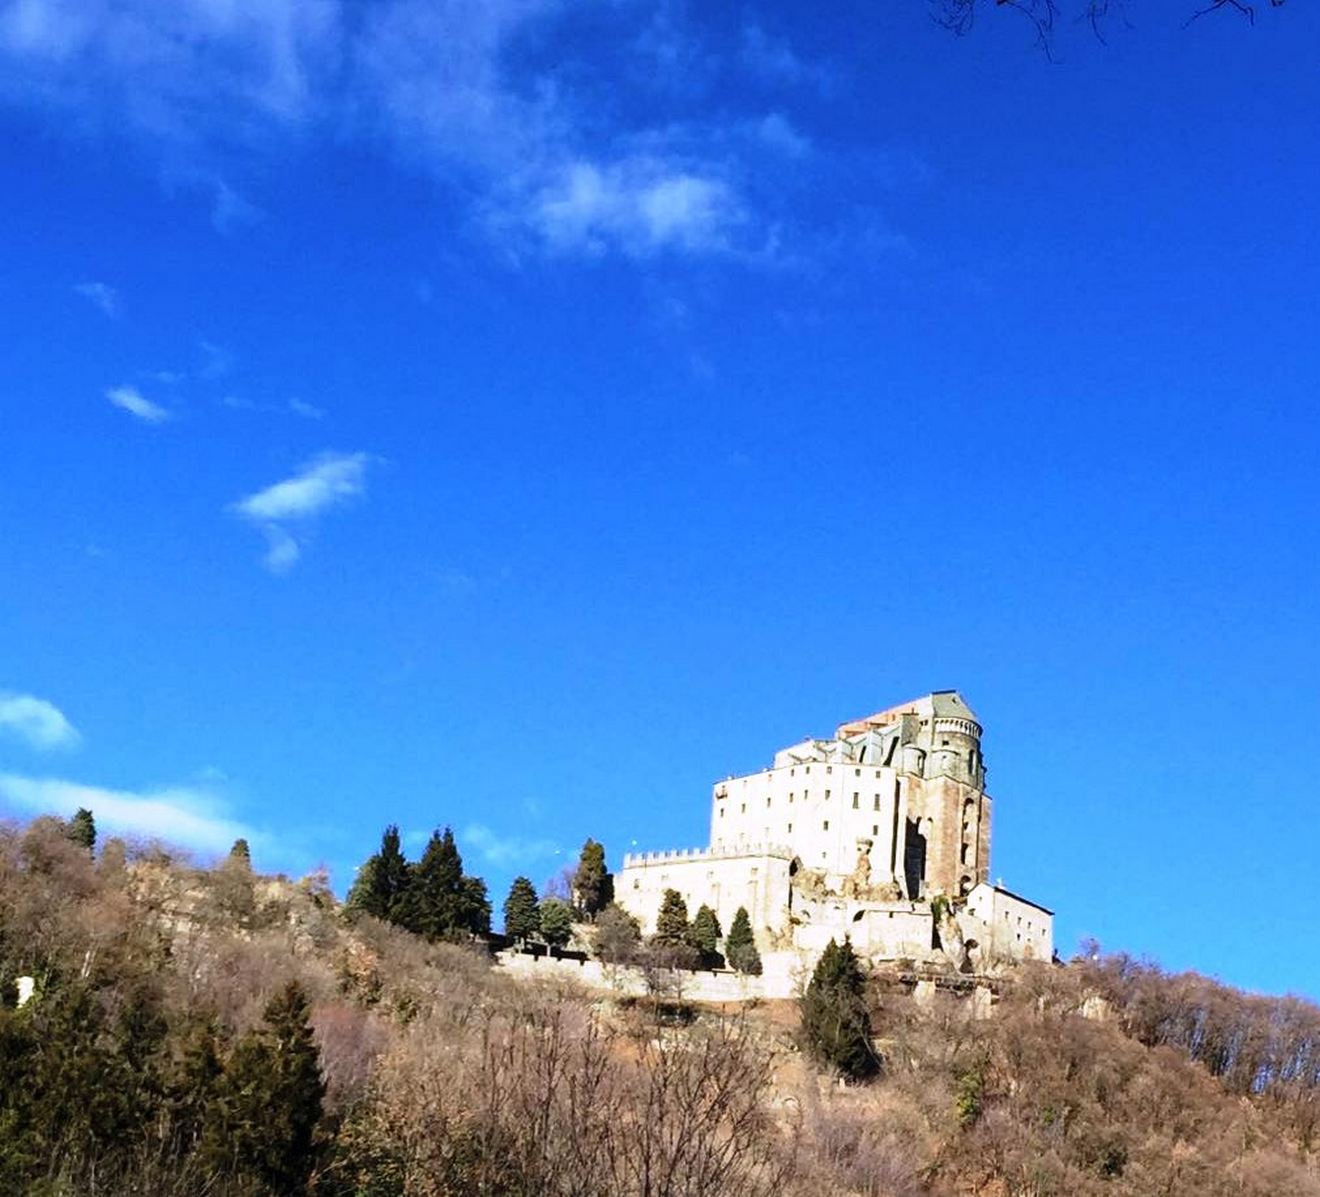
x: 914, y: 859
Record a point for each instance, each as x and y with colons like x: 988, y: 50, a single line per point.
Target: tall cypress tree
x: 704, y: 935
x: 740, y: 945
x: 260, y: 1126
x: 836, y: 1023
x: 593, y: 887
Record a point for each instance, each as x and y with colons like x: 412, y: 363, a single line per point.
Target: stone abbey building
x: 880, y: 833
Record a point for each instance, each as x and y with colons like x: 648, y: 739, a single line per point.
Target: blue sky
x: 517, y: 415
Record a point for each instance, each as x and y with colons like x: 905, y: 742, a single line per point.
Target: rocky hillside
x: 213, y: 1031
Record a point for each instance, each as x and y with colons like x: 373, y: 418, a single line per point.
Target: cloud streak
x: 40, y: 724
x: 131, y: 400
x: 180, y: 815
x: 505, y: 851
x: 328, y: 481
x: 101, y: 295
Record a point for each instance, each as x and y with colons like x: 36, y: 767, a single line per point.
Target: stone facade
x: 881, y: 833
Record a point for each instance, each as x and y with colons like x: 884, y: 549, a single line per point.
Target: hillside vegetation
x: 211, y: 1031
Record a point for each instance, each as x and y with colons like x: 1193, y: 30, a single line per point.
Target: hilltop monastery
x: 880, y: 833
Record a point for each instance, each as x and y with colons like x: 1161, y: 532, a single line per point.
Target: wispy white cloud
x: 458, y: 88
x: 101, y: 295
x: 41, y: 724
x: 308, y: 411
x: 505, y: 851
x: 640, y: 205
x: 328, y: 481
x: 183, y: 815
x: 131, y: 400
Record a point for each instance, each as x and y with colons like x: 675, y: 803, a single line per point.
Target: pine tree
x: 556, y: 922
x: 82, y: 828
x: 436, y: 900
x: 475, y: 917
x: 260, y: 1126
x: 381, y: 887
x: 836, y: 1024
x: 240, y: 854
x: 704, y: 935
x: 671, y: 924
x: 522, y: 915
x: 740, y: 945
x: 593, y: 887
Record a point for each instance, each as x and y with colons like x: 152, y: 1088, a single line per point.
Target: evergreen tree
x: 593, y: 887
x: 268, y: 1101
x: 556, y: 922
x: 436, y: 902
x: 476, y: 906
x: 522, y: 914
x: 704, y: 935
x: 836, y: 1024
x: 671, y: 925
x: 740, y: 945
x: 381, y: 887
x: 82, y: 828
x: 240, y: 854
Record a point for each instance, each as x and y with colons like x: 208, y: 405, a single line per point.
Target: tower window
x: 767, y: 802
x: 857, y: 773
x: 742, y: 810
x: 829, y: 768
x: 875, y: 801
x: 854, y: 801
x: 827, y: 825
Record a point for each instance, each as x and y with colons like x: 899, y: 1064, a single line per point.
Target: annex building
x: 880, y: 832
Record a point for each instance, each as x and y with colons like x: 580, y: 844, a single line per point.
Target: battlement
x: 636, y: 860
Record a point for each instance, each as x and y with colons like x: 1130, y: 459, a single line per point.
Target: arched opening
x: 914, y: 859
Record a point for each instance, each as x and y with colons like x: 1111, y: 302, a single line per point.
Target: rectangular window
x: 857, y: 773
x: 827, y: 825
x: 875, y: 801
x: 829, y: 768
x: 854, y: 800
x: 742, y: 810
x: 827, y: 795
x: 875, y: 829
x: 790, y: 829
x: 767, y: 802
x: 808, y: 768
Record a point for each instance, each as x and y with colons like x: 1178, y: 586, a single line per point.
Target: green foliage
x: 240, y: 854
x: 556, y: 922
x: 704, y: 936
x: 671, y: 924
x: 836, y: 1024
x: 475, y: 907
x: 740, y: 945
x: 260, y: 1126
x: 616, y: 936
x: 441, y: 902
x: 593, y: 886
x: 970, y: 1092
x: 522, y: 913
x: 381, y: 887
x: 82, y: 828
